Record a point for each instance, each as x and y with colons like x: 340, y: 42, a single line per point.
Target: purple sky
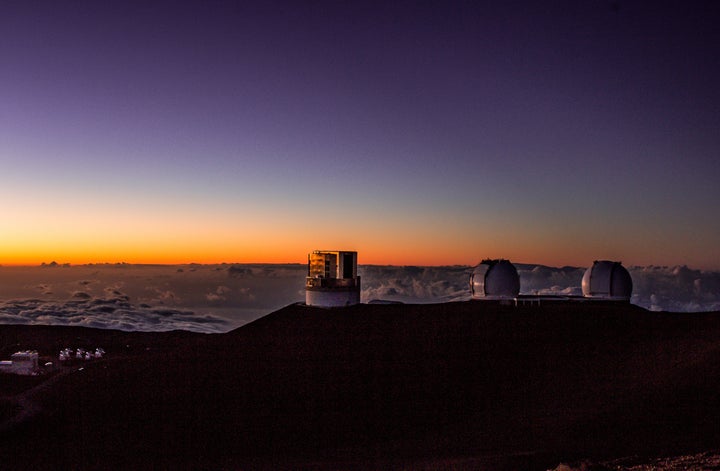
x: 548, y: 132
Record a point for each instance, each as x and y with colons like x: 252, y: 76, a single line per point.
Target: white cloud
x: 414, y: 284
x: 217, y: 298
x: 217, y: 295
x: 107, y: 314
x: 678, y: 289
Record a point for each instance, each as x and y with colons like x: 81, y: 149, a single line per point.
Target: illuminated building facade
x: 332, y: 279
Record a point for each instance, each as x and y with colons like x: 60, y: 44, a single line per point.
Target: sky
x: 417, y: 133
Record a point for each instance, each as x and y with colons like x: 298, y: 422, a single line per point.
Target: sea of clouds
x: 218, y: 298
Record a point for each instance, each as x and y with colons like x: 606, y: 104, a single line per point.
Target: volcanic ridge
x: 468, y: 385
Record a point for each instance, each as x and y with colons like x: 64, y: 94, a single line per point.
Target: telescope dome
x: 495, y: 279
x: 607, y: 280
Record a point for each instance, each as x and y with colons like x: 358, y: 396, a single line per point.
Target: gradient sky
x: 416, y: 133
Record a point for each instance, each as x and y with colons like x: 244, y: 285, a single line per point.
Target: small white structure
x: 67, y: 354
x: 332, y: 279
x: 607, y: 280
x: 495, y: 280
x: 21, y: 363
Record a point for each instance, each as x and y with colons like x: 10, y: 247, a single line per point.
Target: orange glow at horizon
x: 365, y: 257
x: 174, y: 238
x: 227, y: 248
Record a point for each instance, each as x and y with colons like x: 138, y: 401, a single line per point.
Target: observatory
x: 495, y: 279
x: 607, y: 280
x: 21, y: 363
x: 332, y: 279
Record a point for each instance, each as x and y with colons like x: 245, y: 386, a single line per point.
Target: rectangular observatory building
x: 332, y: 279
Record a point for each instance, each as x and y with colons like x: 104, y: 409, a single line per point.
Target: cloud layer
x: 116, y: 313
x: 218, y: 298
x: 678, y: 289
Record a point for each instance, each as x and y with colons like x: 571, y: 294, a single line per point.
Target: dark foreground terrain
x: 459, y: 385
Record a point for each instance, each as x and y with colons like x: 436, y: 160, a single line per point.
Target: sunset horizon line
x: 64, y: 264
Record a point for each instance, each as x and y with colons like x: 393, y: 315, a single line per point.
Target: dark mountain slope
x: 386, y: 385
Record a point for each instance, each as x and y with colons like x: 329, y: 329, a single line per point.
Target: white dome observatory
x: 495, y: 279
x: 607, y: 280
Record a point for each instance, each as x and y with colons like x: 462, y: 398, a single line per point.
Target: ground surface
x: 464, y: 385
